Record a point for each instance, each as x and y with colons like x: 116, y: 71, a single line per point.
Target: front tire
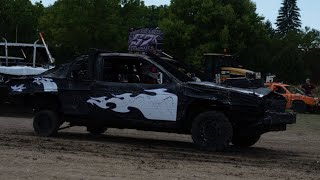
x: 245, y: 141
x: 212, y: 131
x: 299, y: 107
x: 46, y: 123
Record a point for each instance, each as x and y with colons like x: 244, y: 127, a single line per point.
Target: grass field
x: 307, y: 122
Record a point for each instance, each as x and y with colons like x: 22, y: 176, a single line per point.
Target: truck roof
x: 21, y: 45
x: 276, y: 83
x: 217, y: 54
x: 123, y: 54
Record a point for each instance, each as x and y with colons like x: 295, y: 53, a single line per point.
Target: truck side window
x: 79, y: 70
x: 132, y: 70
x: 279, y: 90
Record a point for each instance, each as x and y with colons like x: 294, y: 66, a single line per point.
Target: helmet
x: 150, y: 71
x: 151, y: 74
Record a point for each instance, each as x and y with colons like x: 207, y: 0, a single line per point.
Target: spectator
x: 308, y: 87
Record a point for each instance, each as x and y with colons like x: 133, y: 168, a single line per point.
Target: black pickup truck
x: 119, y: 90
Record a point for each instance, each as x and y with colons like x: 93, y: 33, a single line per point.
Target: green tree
x: 312, y: 65
x: 289, y: 17
x: 191, y: 27
x: 73, y: 26
x: 287, y: 58
x: 310, y: 46
x: 269, y: 28
x: 195, y: 27
x: 310, y: 39
x: 155, y: 14
x: 18, y: 20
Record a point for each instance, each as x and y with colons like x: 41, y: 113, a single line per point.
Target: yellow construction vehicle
x: 225, y: 69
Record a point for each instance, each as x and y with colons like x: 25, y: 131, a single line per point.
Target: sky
x: 310, y: 15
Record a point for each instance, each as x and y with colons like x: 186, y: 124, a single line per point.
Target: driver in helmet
x: 149, y: 74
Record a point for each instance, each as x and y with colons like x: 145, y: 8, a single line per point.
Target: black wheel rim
x: 210, y: 131
x: 44, y: 124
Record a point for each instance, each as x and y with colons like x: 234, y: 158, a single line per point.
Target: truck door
x: 134, y: 89
x: 281, y: 90
x: 77, y: 90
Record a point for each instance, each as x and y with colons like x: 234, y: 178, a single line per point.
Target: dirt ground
x: 131, y: 154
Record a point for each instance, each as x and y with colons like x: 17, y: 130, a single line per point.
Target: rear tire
x: 299, y: 107
x: 212, y: 131
x: 46, y: 123
x: 245, y: 141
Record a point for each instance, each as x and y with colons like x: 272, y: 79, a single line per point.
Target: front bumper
x: 271, y: 121
x: 279, y: 118
x: 277, y: 121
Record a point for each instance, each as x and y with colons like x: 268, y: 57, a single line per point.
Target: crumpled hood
x: 260, y: 92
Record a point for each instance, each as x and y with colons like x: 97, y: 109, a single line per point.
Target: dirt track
x: 130, y: 154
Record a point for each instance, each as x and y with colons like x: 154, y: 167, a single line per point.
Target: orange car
x: 296, y: 98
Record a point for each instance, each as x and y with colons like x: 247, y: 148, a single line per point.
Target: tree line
x: 191, y: 28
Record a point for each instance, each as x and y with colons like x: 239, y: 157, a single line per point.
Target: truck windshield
x: 295, y: 90
x: 60, y: 71
x: 179, y: 70
x: 172, y: 69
